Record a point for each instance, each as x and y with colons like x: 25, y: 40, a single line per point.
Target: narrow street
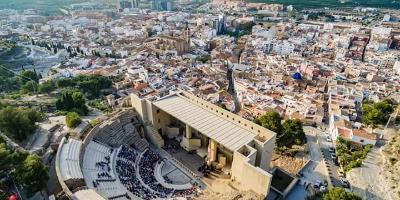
x: 315, y: 170
x: 320, y: 155
x: 330, y: 163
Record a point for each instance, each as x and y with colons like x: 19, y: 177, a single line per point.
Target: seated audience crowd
x: 127, y: 169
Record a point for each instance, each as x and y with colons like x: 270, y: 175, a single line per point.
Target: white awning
x: 208, y: 123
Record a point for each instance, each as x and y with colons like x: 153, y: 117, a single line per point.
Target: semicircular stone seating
x: 119, y: 164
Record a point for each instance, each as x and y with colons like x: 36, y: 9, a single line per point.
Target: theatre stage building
x: 235, y: 146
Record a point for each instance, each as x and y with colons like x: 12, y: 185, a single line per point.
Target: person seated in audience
x: 126, y: 171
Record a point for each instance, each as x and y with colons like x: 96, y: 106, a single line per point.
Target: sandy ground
x: 292, y: 160
x: 369, y: 180
x: 290, y: 164
x: 378, y: 178
x: 223, y: 190
x: 315, y: 170
x: 207, y: 195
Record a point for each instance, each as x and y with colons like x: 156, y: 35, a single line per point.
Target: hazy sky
x: 53, y: 5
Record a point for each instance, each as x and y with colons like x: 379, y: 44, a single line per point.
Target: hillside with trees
x: 26, y: 169
x: 289, y: 133
x: 19, y: 123
x: 72, y: 101
x: 378, y: 113
x: 72, y: 119
x: 339, y: 193
x: 90, y: 85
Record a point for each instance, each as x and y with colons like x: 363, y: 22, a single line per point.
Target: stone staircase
x: 139, y: 143
x: 153, y: 135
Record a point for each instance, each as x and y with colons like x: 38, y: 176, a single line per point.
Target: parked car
x: 345, y: 183
x: 343, y: 180
x: 318, y: 185
x: 333, y: 156
x: 325, y: 183
x: 331, y: 149
x: 329, y: 139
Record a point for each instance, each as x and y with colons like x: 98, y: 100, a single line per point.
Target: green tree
x: 30, y: 86
x: 289, y: 133
x: 377, y: 113
x: 73, y: 119
x: 10, y: 159
x: 27, y: 75
x: 91, y: 85
x: 46, y: 87
x: 99, y: 104
x: 72, y: 101
x: 8, y: 82
x: 271, y: 120
x: 7, y: 159
x: 292, y: 133
x: 5, y: 71
x: 65, y: 82
x: 349, y: 156
x: 340, y: 194
x: 32, y: 174
x: 28, y: 170
x: 18, y: 123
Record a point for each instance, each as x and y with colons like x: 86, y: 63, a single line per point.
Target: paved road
x: 322, y: 146
x: 330, y: 163
x: 316, y: 169
x: 297, y: 193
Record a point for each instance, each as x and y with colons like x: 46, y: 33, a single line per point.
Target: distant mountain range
x: 51, y: 7
x: 46, y: 6
x: 299, y: 4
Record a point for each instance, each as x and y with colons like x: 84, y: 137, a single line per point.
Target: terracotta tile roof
x: 344, y: 133
x: 342, y: 123
x: 140, y: 86
x: 297, y: 115
x: 364, y: 134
